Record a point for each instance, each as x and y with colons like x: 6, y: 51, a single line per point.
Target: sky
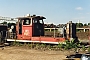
x: 55, y: 11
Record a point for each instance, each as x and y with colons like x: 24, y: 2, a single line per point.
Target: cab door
x: 27, y: 28
x: 38, y: 27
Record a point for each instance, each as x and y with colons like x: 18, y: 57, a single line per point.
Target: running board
x: 36, y: 41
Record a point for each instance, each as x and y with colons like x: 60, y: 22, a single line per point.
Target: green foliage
x: 43, y: 45
x: 79, y: 25
x: 89, y: 49
x: 88, y: 23
x: 49, y: 46
x: 66, y: 45
x: 69, y: 45
x: 60, y: 45
x: 4, y: 22
x: 25, y: 44
x: 37, y: 46
x: 85, y: 24
x: 77, y: 30
x: 16, y: 43
x: 83, y: 48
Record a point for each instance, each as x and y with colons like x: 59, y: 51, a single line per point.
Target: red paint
x: 27, y: 32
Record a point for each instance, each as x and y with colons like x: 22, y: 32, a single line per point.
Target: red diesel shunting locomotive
x: 31, y: 29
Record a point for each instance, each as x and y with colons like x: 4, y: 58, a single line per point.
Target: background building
x: 7, y: 19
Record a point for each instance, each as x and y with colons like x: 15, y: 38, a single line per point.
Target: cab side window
x: 37, y: 21
x: 26, y: 22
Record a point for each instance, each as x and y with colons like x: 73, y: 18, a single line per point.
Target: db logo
x: 26, y: 32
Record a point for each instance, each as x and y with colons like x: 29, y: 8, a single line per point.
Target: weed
x: 29, y: 45
x: 89, y: 49
x: 16, y: 43
x: 49, y: 47
x: 37, y: 46
x: 83, y: 48
x: 43, y: 45
x: 69, y: 45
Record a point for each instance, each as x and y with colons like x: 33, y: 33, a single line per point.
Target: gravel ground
x: 18, y: 53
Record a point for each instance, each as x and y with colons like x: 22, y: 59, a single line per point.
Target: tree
x: 4, y: 22
x: 85, y: 24
x: 52, y: 25
x: 79, y: 25
x: 88, y: 24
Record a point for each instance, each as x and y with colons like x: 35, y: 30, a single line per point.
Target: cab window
x: 41, y: 21
x: 26, y: 22
x: 38, y: 21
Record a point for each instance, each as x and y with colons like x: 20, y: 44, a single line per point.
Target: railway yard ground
x: 18, y: 53
x: 25, y: 52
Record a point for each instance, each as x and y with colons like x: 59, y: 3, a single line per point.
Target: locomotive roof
x: 37, y: 17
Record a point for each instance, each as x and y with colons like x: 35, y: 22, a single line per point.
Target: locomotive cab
x: 38, y: 26
x: 31, y: 26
